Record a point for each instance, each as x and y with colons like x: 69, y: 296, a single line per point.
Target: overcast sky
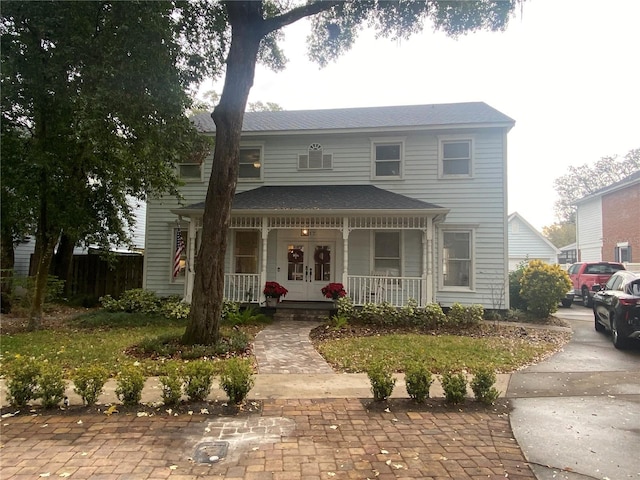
x: 565, y: 70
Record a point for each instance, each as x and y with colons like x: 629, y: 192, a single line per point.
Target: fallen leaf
x: 79, y: 422
x: 45, y: 474
x: 190, y: 412
x: 111, y: 410
x: 388, y: 462
x: 7, y: 415
x: 204, y: 411
x: 384, y: 452
x: 64, y: 475
x: 387, y: 410
x: 333, y: 427
x: 397, y: 466
x: 173, y: 467
x: 142, y: 414
x: 331, y: 474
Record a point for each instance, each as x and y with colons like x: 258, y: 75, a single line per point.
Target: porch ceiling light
x: 304, y: 232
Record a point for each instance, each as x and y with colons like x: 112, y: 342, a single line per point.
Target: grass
x: 439, y: 353
x: 103, y: 338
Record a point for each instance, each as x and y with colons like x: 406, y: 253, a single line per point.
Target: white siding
x: 479, y: 200
x: 589, y: 230
x: 22, y: 256
x: 527, y: 243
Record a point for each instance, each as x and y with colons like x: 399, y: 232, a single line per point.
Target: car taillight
x: 629, y: 302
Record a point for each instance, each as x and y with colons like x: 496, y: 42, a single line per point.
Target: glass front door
x: 310, y: 266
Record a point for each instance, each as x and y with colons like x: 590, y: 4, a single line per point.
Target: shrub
x: 432, y: 315
x: 346, y: 308
x: 236, y: 379
x: 382, y: 381
x: 418, y: 380
x: 543, y: 286
x: 338, y: 322
x: 175, y: 309
x: 130, y: 382
x: 51, y: 385
x: 244, y: 316
x: 516, y: 300
x: 198, y: 378
x: 171, y: 385
x: 22, y: 381
x: 89, y: 382
x: 482, y: 386
x: 461, y: 315
x: 135, y: 300
x: 454, y: 386
x: 379, y: 314
x: 53, y: 289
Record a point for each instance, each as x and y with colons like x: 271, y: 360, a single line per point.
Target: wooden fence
x: 93, y: 276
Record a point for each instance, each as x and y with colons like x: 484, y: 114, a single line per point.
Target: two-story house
x: 394, y: 202
x: 607, y: 226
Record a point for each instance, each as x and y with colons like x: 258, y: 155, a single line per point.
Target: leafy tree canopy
x: 560, y: 234
x: 587, y: 179
x: 93, y: 101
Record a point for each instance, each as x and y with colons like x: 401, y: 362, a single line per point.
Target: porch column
x: 345, y: 251
x: 191, y: 272
x: 264, y: 234
x: 427, y: 288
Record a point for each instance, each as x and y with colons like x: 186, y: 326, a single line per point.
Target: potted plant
x: 334, y: 291
x: 273, y: 291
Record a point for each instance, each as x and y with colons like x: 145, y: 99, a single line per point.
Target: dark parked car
x: 616, y: 307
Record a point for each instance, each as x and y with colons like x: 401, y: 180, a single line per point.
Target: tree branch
x: 292, y: 16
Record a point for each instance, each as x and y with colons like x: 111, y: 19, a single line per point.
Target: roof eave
x: 294, y: 212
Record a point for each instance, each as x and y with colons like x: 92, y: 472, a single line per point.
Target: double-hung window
x: 250, y: 163
x: 456, y: 157
x: 457, y: 259
x: 387, y: 158
x: 387, y: 260
x: 246, y: 252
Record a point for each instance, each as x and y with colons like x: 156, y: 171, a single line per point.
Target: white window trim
x: 471, y: 229
x: 387, y: 141
x: 372, y: 249
x: 314, y: 169
x: 259, y: 146
x: 190, y: 179
x: 456, y: 138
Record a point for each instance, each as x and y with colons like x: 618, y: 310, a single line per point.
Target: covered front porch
x: 378, y: 244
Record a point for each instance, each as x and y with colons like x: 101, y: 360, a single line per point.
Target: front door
x: 305, y: 266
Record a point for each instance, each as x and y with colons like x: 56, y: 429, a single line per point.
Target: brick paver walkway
x: 284, y: 347
x: 322, y: 439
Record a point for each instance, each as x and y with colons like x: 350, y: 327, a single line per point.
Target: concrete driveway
x: 577, y: 415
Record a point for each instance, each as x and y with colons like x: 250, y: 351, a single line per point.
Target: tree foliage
x: 586, y: 179
x: 93, y: 102
x: 253, y: 28
x: 543, y: 286
x: 560, y: 234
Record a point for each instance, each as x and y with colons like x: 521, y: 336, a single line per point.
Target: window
x: 457, y: 261
x: 386, y: 259
x: 246, y: 252
x: 250, y: 167
x: 387, y: 158
x: 179, y: 254
x: 315, y: 159
x: 623, y: 252
x: 456, y: 156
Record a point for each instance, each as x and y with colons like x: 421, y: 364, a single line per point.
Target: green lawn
x: 439, y: 353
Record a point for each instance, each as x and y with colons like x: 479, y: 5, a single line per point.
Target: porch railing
x: 377, y: 289
x: 242, y: 287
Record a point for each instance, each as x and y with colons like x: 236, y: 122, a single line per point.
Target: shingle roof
x: 625, y: 182
x: 323, y: 197
x: 409, y: 116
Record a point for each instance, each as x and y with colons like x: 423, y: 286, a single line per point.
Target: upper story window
x: 250, y: 163
x: 190, y: 172
x: 191, y: 167
x: 623, y: 252
x: 456, y: 157
x: 315, y: 159
x: 387, y: 158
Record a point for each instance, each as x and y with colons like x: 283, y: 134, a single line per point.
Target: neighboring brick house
x: 607, y: 223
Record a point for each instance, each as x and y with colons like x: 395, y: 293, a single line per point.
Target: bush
x: 517, y: 302
x: 130, y: 382
x: 236, y: 379
x: 379, y: 314
x: 53, y: 290
x: 198, y: 378
x: 482, y: 386
x: 543, y: 286
x: 89, y: 382
x: 461, y: 315
x: 175, y: 309
x: 382, y: 381
x: 432, y: 315
x: 454, y: 386
x: 338, y: 322
x: 23, y: 381
x: 171, y: 385
x: 51, y: 385
x: 418, y: 380
x: 135, y: 300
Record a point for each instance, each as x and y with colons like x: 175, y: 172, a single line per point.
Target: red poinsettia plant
x: 334, y: 291
x: 274, y: 290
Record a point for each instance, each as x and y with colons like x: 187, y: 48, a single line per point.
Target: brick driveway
x: 289, y: 439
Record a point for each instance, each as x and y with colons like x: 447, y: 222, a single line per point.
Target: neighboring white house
x: 394, y: 202
x: 23, y: 251
x: 527, y: 243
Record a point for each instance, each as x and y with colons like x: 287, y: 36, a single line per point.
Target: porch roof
x: 323, y: 199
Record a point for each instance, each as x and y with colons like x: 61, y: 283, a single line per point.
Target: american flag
x: 180, y: 246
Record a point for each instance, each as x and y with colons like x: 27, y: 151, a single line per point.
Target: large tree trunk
x: 206, y: 306
x: 7, y: 260
x: 45, y: 245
